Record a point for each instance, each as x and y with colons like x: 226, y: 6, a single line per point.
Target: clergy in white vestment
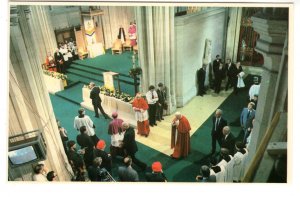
x: 226, y: 160
x: 254, y: 90
x: 85, y: 120
x: 239, y: 158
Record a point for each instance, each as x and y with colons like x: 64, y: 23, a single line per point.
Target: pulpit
x: 109, y: 78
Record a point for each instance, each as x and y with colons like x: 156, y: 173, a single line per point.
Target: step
x: 93, y: 70
x: 100, y: 69
x: 76, y: 101
x: 85, y: 74
x: 84, y: 80
x: 75, y: 77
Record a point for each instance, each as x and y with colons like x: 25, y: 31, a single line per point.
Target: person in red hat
x: 182, y: 126
x: 106, y: 158
x: 157, y: 174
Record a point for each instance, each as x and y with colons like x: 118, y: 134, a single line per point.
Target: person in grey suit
x: 247, y: 115
x: 127, y: 173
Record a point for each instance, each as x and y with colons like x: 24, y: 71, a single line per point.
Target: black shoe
x: 151, y: 125
x: 106, y: 117
x: 155, y: 124
x: 97, y: 116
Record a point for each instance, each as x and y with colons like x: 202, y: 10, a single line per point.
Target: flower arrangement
x: 135, y: 71
x: 114, y: 93
x: 55, y: 74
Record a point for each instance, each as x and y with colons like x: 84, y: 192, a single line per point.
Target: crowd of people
x: 228, y: 164
x: 62, y: 57
x: 91, y: 162
x: 221, y: 70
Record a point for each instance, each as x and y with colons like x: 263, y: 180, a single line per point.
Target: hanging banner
x: 207, y: 60
x: 89, y: 30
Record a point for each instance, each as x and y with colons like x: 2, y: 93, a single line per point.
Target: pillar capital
x: 271, y: 40
x: 15, y: 13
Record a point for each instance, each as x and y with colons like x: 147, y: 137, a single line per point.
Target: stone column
x: 273, y: 31
x: 233, y: 33
x: 42, y: 31
x: 156, y: 49
x: 30, y: 103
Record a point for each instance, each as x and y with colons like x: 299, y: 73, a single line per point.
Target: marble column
x: 42, y: 31
x: 233, y: 33
x: 155, y: 32
x: 273, y: 31
x: 30, y: 104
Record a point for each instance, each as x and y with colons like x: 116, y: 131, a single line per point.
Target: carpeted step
x: 92, y: 76
x: 85, y: 74
x: 87, y: 78
x: 72, y: 94
x: 93, y: 70
x: 84, y: 80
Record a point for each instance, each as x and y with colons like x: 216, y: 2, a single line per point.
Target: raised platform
x: 110, y: 105
x: 91, y: 69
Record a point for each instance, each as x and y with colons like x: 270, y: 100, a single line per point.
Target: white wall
x: 62, y: 17
x: 191, y: 31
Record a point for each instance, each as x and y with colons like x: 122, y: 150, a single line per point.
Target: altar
x: 95, y: 50
x: 54, y: 84
x: 110, y: 105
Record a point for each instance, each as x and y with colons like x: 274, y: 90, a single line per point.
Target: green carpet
x: 91, y: 69
x: 117, y: 63
x: 73, y: 93
x: 183, y: 170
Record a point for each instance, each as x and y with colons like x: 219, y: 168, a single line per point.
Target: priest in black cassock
x: 200, y: 80
x: 121, y: 34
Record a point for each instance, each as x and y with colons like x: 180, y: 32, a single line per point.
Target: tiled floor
x: 196, y: 111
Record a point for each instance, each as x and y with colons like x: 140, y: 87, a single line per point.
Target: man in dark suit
x: 87, y: 145
x: 96, y: 173
x: 216, y: 133
x: 205, y: 175
x: 96, y: 100
x: 74, y: 158
x: 231, y: 72
x: 59, y: 60
x: 157, y: 174
x: 228, y: 140
x: 216, y: 63
x: 130, y: 146
x: 219, y: 72
x: 161, y: 93
x: 106, y: 158
x: 127, y: 173
x: 200, y: 80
